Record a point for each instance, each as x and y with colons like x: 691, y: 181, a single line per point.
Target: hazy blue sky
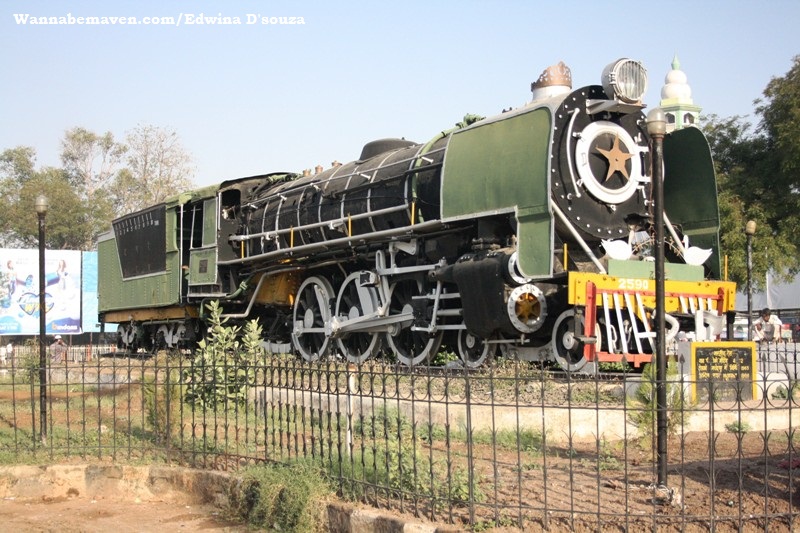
x: 253, y: 98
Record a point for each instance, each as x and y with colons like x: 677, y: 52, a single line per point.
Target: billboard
x: 89, y: 293
x: 19, y: 292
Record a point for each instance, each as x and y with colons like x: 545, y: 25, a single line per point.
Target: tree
x: 780, y: 122
x: 158, y: 167
x: 16, y: 167
x: 758, y: 180
x: 90, y: 160
x: 17, y: 164
x: 21, y: 183
x: 96, y: 183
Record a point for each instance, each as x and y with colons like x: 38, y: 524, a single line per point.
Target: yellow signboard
x: 724, y: 370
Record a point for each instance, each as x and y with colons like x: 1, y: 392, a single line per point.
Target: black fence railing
x: 511, y: 444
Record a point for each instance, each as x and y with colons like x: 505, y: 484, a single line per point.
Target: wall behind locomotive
x: 70, y: 292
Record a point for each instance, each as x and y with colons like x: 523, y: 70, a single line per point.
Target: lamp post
x: 750, y: 230
x: 657, y: 128
x: 41, y: 211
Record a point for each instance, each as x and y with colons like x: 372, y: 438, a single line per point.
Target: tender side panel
x: 158, y: 285
x: 501, y: 166
x: 141, y: 242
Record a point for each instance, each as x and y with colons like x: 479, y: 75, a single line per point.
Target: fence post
x: 351, y: 389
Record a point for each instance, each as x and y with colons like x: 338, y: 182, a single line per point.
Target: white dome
x: 675, y: 76
x: 675, y: 84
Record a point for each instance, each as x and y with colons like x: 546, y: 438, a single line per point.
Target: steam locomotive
x: 527, y: 234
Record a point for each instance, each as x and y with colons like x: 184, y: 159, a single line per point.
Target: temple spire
x: 676, y: 99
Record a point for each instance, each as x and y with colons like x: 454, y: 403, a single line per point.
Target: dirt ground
x: 722, y: 481
x: 73, y: 515
x: 748, y: 486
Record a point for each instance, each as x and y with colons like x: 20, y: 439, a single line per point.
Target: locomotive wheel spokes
x: 178, y: 337
x: 474, y: 351
x: 567, y: 348
x: 357, y: 347
x: 125, y: 336
x: 410, y: 347
x: 311, y: 313
x: 162, y: 334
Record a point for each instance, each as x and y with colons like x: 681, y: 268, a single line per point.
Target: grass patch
x: 283, y: 497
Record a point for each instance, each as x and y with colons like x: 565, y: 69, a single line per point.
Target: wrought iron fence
x: 511, y: 444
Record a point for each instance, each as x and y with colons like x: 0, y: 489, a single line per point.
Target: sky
x: 260, y: 97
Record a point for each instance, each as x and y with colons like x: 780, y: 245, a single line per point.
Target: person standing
x: 767, y: 327
x: 58, y: 351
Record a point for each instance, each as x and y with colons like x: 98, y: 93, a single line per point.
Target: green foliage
x: 642, y: 409
x: 758, y: 180
x: 28, y: 362
x: 618, y: 366
x: 283, y: 497
x: 162, y: 396
x: 72, y: 222
x: 607, y: 458
x: 100, y: 179
x: 223, y: 367
x: 780, y: 120
x: 389, y: 457
x: 781, y: 393
x: 740, y: 428
x: 527, y: 440
x: 784, y: 393
x: 443, y: 357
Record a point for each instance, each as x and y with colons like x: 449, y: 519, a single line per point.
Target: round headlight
x: 625, y: 80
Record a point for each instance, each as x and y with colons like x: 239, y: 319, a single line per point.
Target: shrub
x: 162, y: 395
x: 390, y: 459
x: 223, y: 366
x: 642, y: 411
x: 283, y: 497
x: 740, y: 428
x: 28, y: 363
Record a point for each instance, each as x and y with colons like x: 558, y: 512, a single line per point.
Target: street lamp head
x: 41, y: 204
x: 750, y: 228
x: 656, y: 122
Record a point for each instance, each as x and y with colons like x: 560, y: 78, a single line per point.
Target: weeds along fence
x: 511, y: 444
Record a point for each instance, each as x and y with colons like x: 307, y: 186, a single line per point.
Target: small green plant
x: 642, y: 409
x: 607, y: 459
x: 389, y: 458
x: 781, y: 393
x: 528, y: 440
x: 443, y: 357
x: 784, y: 393
x: 738, y: 427
x: 163, y: 395
x: 223, y: 366
x: 283, y: 497
x: 619, y: 366
x: 28, y: 366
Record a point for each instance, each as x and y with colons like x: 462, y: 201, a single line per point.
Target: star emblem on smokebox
x: 617, y: 159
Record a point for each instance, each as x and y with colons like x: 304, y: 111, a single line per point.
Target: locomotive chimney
x: 306, y: 172
x: 555, y: 80
x: 317, y: 169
